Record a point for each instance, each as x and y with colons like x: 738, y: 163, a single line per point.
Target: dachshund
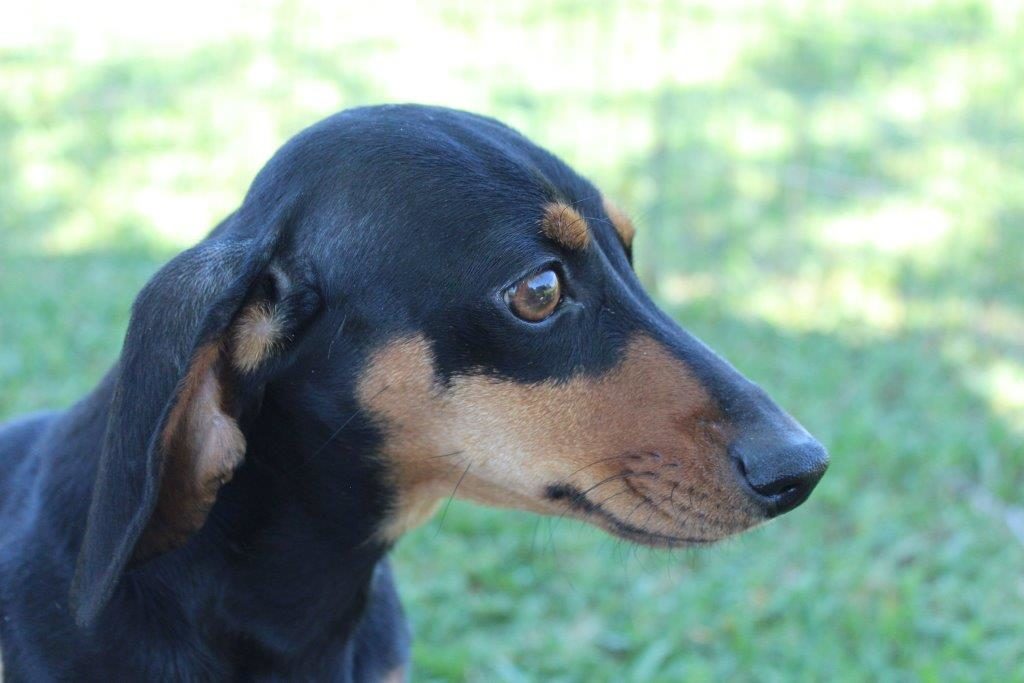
x: 409, y: 300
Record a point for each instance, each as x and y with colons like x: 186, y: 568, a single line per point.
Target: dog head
x: 429, y: 292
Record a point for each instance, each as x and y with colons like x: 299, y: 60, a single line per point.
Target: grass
x: 830, y: 195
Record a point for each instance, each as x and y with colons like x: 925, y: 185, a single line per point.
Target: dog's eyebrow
x: 565, y: 225
x: 620, y: 222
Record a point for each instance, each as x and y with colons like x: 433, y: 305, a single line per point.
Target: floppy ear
x: 199, y: 330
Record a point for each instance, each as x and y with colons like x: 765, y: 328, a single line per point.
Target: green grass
x: 831, y: 196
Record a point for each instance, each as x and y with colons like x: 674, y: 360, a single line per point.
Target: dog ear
x: 200, y: 331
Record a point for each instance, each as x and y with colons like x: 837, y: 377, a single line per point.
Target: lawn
x: 831, y: 195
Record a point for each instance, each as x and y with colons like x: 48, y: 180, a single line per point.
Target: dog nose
x: 780, y: 478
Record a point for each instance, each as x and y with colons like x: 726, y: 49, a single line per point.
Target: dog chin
x: 660, y: 539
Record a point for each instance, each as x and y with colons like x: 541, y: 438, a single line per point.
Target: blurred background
x: 830, y: 194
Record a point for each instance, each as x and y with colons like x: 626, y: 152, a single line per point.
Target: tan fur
x: 200, y: 447
x: 620, y: 222
x: 257, y: 331
x: 565, y: 225
x: 647, y: 418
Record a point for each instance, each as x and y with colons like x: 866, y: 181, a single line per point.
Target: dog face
x: 427, y: 292
x: 518, y: 361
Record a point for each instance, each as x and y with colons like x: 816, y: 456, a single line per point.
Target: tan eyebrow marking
x: 620, y: 222
x: 565, y: 225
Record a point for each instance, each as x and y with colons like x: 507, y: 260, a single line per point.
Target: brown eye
x: 535, y: 298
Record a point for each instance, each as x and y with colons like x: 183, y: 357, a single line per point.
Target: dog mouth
x: 579, y: 503
x: 652, y: 539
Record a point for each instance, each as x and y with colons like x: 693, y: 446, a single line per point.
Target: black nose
x: 780, y: 478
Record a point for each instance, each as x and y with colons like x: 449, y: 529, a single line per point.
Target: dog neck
x: 287, y: 575
x: 293, y: 539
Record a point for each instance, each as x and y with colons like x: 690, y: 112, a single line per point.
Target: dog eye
x: 535, y: 298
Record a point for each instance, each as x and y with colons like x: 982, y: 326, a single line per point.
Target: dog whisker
x: 643, y: 501
x: 614, y: 495
x: 444, y: 455
x: 444, y: 513
x: 656, y: 509
x: 581, y: 497
x: 623, y: 475
x: 337, y: 333
x: 338, y: 431
x: 597, y: 462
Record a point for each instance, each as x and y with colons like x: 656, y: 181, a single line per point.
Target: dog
x: 409, y: 301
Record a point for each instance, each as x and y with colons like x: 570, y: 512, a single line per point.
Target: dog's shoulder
x: 18, y: 438
x: 21, y: 432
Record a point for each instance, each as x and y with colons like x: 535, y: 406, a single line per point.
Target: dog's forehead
x: 426, y: 177
x: 416, y: 199
x: 456, y: 165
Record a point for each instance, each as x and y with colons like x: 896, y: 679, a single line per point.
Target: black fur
x: 384, y: 220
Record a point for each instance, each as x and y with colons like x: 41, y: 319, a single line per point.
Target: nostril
x: 782, y: 495
x: 740, y: 466
x: 779, y: 487
x: 788, y: 490
x: 781, y: 479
